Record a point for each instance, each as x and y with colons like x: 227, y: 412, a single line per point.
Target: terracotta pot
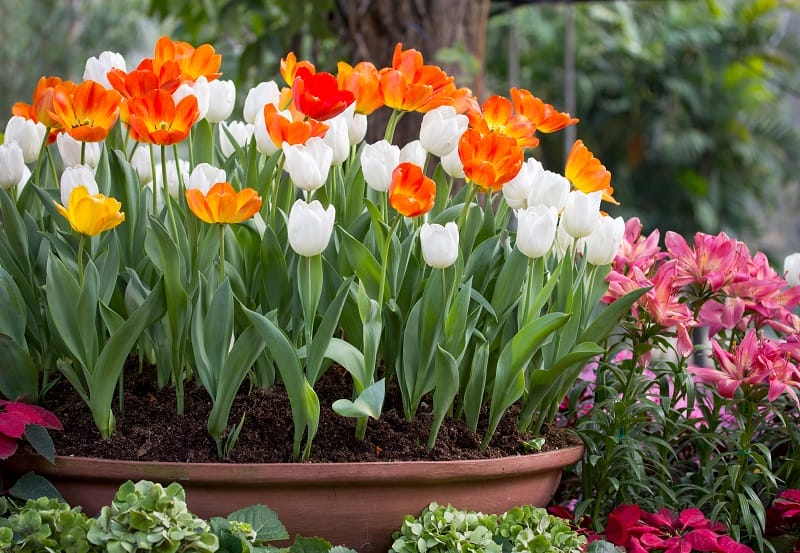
x: 354, y: 504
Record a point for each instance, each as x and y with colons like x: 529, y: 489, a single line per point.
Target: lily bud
x: 12, y: 165
x: 791, y: 269
x: 264, y: 93
x: 413, y: 152
x: 221, y: 98
x: 308, y: 164
x: 70, y: 151
x: 602, y: 244
x: 204, y: 176
x: 27, y: 134
x: 97, y: 67
x: 439, y: 244
x: 73, y: 177
x: 310, y: 227
x: 536, y: 229
x: 580, y: 213
x: 241, y: 132
x: 441, y: 129
x: 377, y: 163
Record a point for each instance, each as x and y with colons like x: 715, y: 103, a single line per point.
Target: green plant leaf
x: 34, y: 486
x: 13, y: 315
x: 310, y: 545
x: 324, y: 334
x: 361, y: 262
x: 19, y: 377
x: 605, y: 322
x: 369, y: 403
x: 263, y: 520
x: 41, y: 441
x: 447, y: 383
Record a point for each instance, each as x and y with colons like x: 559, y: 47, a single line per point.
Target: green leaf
x: 41, y: 441
x: 607, y: 320
x: 445, y: 391
x: 324, y: 334
x: 369, y: 403
x: 476, y: 385
x: 310, y: 545
x: 19, y: 377
x: 361, y: 262
x: 263, y: 520
x: 13, y: 314
x: 34, y: 486
x: 62, y: 290
x: 203, y: 142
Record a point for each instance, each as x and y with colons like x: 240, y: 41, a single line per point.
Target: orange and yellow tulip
x: 411, y: 193
x: 91, y: 214
x: 545, y: 117
x: 298, y: 131
x: 411, y: 86
x: 87, y: 112
x: 290, y: 65
x: 497, y: 115
x: 587, y: 174
x: 156, y: 119
x: 202, y: 61
x: 363, y: 81
x: 43, y: 100
x: 222, y: 204
x: 490, y: 160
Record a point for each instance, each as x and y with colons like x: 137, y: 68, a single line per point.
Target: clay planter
x: 354, y: 504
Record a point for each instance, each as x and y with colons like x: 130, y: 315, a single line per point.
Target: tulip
x: 157, y: 119
x: 451, y: 163
x: 536, y: 229
x: 378, y: 160
x: 204, y: 176
x: 97, y: 68
x: 90, y: 214
x: 356, y: 124
x: 791, y: 269
x: 241, y: 132
x: 200, y: 90
x: 516, y: 190
x: 413, y: 152
x: 441, y: 128
x: 411, y: 192
x: 12, y: 165
x: 602, y: 244
x: 221, y: 99
x: 70, y: 151
x: 338, y: 139
x: 264, y: 93
x: 318, y: 95
x: 281, y: 126
x: 308, y: 165
x: 27, y: 134
x: 141, y: 163
x: 580, y: 213
x: 222, y: 204
x: 439, y: 244
x: 86, y: 111
x: 310, y: 227
x: 264, y: 143
x: 587, y: 174
x: 73, y: 177
x: 490, y: 160
x: 548, y: 188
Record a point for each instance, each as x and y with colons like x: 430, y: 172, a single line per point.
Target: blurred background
x: 693, y: 105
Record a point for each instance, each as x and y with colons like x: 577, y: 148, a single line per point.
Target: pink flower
x: 714, y: 261
x: 636, y: 250
x: 716, y: 315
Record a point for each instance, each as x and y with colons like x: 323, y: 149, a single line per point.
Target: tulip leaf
x: 108, y: 264
x: 14, y: 230
x: 369, y: 402
x: 62, y: 290
x: 507, y: 289
x: 476, y: 385
x: 445, y: 391
x: 203, y: 142
x: 372, y: 325
x: 330, y: 322
x: 276, y: 285
x: 19, y: 377
x: 456, y: 332
x: 347, y: 355
x: 361, y: 262
x: 13, y: 315
x: 218, y: 329
x: 602, y: 326
x: 309, y: 285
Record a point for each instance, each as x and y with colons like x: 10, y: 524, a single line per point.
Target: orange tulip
x: 297, y: 131
x: 290, y: 65
x: 587, y: 174
x: 545, y: 117
x: 43, y: 100
x: 202, y: 61
x: 497, y: 115
x: 156, y: 119
x: 363, y: 81
x: 411, y: 86
x: 411, y: 192
x: 222, y: 204
x: 490, y: 160
x: 86, y: 112
x: 91, y: 214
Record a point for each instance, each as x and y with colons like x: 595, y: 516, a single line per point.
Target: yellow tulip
x: 91, y: 214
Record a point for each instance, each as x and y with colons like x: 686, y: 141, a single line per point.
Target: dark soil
x: 150, y: 430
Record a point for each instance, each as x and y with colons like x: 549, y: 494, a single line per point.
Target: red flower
x: 14, y: 417
x: 318, y: 94
x: 411, y: 192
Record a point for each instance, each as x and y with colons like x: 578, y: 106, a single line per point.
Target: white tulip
x: 204, y: 176
x: 413, y: 152
x: 200, y: 90
x: 12, y: 165
x: 602, y: 244
x: 439, y: 244
x: 241, y: 132
x: 73, y: 177
x: 26, y: 175
x: 308, y: 164
x: 27, y: 134
x: 580, y: 213
x: 378, y: 160
x: 264, y: 142
x: 356, y: 124
x: 70, y: 151
x: 441, y: 129
x: 337, y: 138
x: 563, y: 240
x: 536, y: 229
x: 264, y: 93
x: 310, y: 227
x: 97, y: 68
x: 451, y: 163
x: 517, y: 189
x: 791, y: 269
x: 221, y: 98
x: 141, y: 163
x: 548, y: 188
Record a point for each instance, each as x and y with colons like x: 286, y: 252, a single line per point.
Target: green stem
x: 391, y: 125
x: 81, y: 246
x: 83, y: 153
x: 221, y: 253
x: 276, y: 182
x: 473, y: 190
x: 181, y: 185
x: 42, y: 151
x: 384, y: 257
x: 153, y: 178
x: 167, y: 197
x: 52, y: 165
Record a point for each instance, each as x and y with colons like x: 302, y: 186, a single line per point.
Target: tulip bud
x: 308, y: 164
x: 791, y: 269
x: 536, y: 229
x: 580, y: 213
x: 70, y: 151
x: 356, y: 124
x: 413, y: 152
x: 441, y: 129
x: 264, y: 93
x: 199, y: 89
x: 241, y: 132
x: 141, y: 163
x: 27, y: 134
x: 310, y: 227
x: 377, y: 163
x: 97, y: 68
x: 337, y: 138
x: 439, y: 244
x: 452, y: 165
x: 73, y: 177
x: 517, y: 189
x: 221, y: 98
x: 548, y: 188
x: 12, y: 165
x: 204, y: 176
x: 602, y: 244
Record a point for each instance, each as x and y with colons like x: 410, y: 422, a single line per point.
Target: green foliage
x: 445, y: 529
x: 148, y: 517
x: 44, y: 525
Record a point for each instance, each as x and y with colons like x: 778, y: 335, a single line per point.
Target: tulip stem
x: 384, y: 256
x: 471, y: 192
x: 42, y: 151
x: 52, y: 165
x: 221, y: 253
x: 181, y: 185
x: 153, y: 180
x: 391, y: 125
x: 81, y: 246
x: 165, y: 187
x: 83, y: 153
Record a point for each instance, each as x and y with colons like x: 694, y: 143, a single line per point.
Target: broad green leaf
x: 218, y: 329
x: 13, y: 314
x: 62, y: 290
x: 476, y: 385
x: 607, y: 320
x: 361, y: 262
x: 41, y: 441
x: 34, y: 486
x: 309, y: 545
x: 19, y: 377
x: 203, y: 142
x: 325, y: 331
x: 445, y: 391
x: 263, y: 520
x: 369, y: 403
